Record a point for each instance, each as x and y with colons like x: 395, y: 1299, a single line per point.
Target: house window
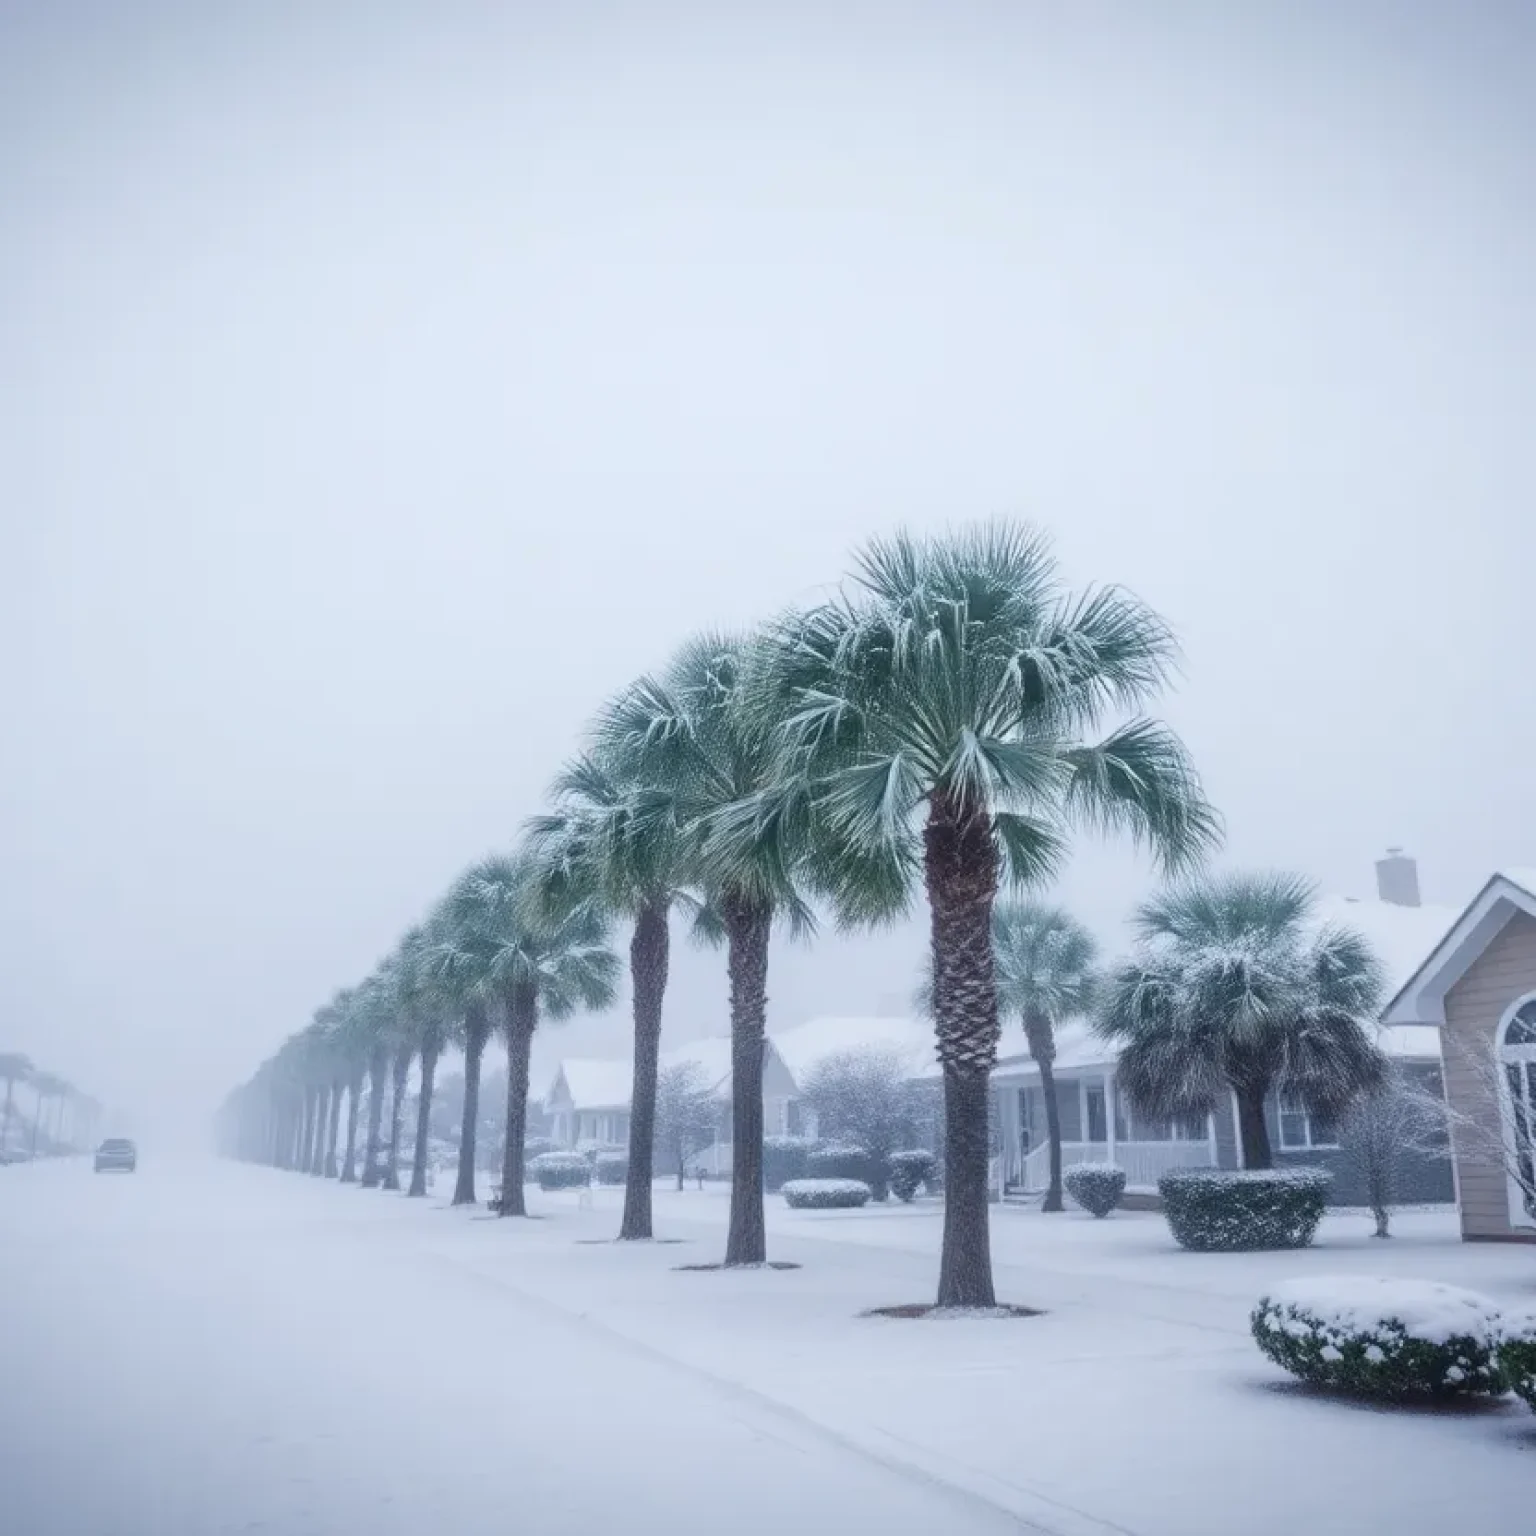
x: 1517, y: 1057
x: 1303, y: 1131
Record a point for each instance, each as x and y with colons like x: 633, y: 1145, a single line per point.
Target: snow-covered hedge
x: 536, y: 1146
x: 826, y: 1194
x: 910, y: 1171
x: 837, y: 1160
x: 1382, y: 1337
x: 1517, y: 1353
x: 1213, y: 1210
x: 611, y: 1167
x: 561, y: 1170
x: 1097, y: 1187
x: 784, y: 1158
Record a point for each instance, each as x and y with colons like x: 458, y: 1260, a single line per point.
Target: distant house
x: 588, y: 1101
x: 1476, y: 988
x: 1098, y: 1125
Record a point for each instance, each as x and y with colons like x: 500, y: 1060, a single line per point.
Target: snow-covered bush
x: 1213, y: 1210
x: 1382, y: 1337
x: 826, y: 1194
x: 784, y: 1158
x: 561, y: 1170
x: 1517, y: 1353
x: 1097, y: 1187
x: 535, y: 1147
x: 838, y: 1160
x: 611, y: 1167
x: 910, y: 1171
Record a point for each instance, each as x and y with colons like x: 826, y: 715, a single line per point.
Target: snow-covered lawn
x: 1137, y: 1402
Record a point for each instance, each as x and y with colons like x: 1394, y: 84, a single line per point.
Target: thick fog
x: 382, y: 386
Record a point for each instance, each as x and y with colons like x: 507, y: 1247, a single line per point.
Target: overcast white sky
x: 381, y: 386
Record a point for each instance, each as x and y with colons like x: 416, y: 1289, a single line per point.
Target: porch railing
x: 1144, y: 1161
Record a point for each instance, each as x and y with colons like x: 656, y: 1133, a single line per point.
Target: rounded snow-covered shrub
x: 784, y: 1158
x: 561, y: 1170
x: 1212, y: 1210
x: 1097, y: 1187
x: 1382, y: 1337
x: 826, y: 1194
x: 1517, y: 1353
x: 910, y: 1172
x: 837, y: 1160
x: 537, y: 1146
x: 611, y: 1167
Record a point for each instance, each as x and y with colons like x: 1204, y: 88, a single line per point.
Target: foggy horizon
x: 380, y: 394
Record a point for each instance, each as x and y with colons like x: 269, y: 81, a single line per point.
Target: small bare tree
x: 685, y: 1116
x: 1496, y: 1128
x: 1401, y: 1116
x: 866, y: 1097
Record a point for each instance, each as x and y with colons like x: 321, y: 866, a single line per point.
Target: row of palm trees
x: 74, y: 1114
x: 941, y: 725
x: 1233, y: 988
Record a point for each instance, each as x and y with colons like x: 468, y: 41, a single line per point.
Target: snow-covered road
x: 186, y: 1352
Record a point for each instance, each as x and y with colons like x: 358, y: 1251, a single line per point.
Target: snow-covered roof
x: 1420, y: 994
x: 803, y: 1048
x: 712, y: 1056
x: 594, y: 1082
x: 1400, y: 936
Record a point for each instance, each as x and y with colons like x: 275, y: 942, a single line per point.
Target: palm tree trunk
x: 5, y: 1128
x: 322, y: 1123
x: 747, y: 928
x: 423, y: 1121
x: 522, y: 1019
x: 306, y: 1132
x: 1252, y: 1129
x: 477, y: 1027
x: 37, y: 1120
x: 402, y: 1070
x: 371, y: 1170
x: 1042, y: 1048
x: 333, y: 1132
x: 354, y: 1103
x: 649, y: 954
x: 960, y: 866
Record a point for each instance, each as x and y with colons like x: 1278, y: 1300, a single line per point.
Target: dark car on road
x: 117, y: 1154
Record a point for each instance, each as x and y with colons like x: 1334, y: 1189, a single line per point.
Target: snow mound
x: 1423, y: 1309
x: 826, y: 1194
x: 1382, y: 1337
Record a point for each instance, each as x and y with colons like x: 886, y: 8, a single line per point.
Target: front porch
x: 1097, y: 1126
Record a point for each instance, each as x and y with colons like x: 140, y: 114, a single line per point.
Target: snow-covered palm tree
x: 616, y: 836
x: 1236, y: 987
x: 695, y: 729
x: 1046, y: 973
x: 551, y: 961
x: 14, y: 1068
x: 947, y: 708
x: 461, y: 961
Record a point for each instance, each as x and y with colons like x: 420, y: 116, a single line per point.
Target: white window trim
x: 1311, y: 1144
x: 1507, y: 1055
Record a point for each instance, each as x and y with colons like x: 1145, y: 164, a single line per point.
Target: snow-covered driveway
x: 228, y: 1349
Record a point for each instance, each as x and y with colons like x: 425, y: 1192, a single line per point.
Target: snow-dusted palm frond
x: 958, y: 671
x: 1046, y: 961
x: 1234, y: 986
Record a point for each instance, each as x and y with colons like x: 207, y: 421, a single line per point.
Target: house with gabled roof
x: 1099, y: 1124
x: 1476, y: 988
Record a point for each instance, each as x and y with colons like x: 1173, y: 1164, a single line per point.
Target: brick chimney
x: 1397, y: 879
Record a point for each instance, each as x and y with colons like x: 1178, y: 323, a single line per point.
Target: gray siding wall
x: 1505, y: 971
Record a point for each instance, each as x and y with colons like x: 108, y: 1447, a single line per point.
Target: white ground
x: 232, y: 1349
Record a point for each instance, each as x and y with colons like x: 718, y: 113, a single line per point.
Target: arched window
x: 1517, y: 1068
